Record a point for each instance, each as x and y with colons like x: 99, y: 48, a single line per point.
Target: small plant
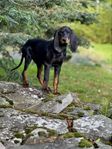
x: 106, y: 109
x: 85, y: 143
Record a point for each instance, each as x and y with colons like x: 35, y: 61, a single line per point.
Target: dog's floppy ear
x: 56, y: 41
x: 73, y: 42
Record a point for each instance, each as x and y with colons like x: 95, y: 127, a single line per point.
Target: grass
x: 105, y: 51
x: 91, y: 83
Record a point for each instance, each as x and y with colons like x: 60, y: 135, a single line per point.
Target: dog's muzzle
x: 65, y: 40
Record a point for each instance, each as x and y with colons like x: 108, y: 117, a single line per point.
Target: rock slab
x: 56, y: 105
x: 96, y: 126
x: 2, y: 146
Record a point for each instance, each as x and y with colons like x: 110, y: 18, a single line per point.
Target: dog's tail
x: 21, y: 61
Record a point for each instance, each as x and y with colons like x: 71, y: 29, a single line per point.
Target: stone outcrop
x: 30, y: 119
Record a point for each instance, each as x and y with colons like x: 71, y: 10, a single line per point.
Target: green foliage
x: 6, y: 61
x: 107, y: 109
x: 101, y: 30
x: 41, y: 15
x: 36, y: 18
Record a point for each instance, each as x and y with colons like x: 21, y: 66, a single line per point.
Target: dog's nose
x: 65, y: 40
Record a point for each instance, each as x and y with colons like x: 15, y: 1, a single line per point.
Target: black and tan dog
x: 48, y: 53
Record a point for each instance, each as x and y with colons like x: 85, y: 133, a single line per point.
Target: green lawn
x: 90, y: 83
x: 93, y: 84
x: 105, y: 51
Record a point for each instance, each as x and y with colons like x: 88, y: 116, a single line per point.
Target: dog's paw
x: 57, y: 93
x: 47, y: 90
x: 25, y: 85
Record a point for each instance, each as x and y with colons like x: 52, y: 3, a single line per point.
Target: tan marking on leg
x: 44, y: 85
x: 25, y: 82
x: 55, y: 83
x: 40, y: 75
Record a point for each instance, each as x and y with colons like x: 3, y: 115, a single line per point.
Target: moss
x: 78, y: 135
x: 64, y: 116
x: 52, y: 132
x: 46, y: 99
x: 28, y: 130
x: 29, y: 111
x: 59, y: 101
x: 72, y: 135
x: 69, y: 108
x: 85, y: 143
x: 87, y: 108
x: 80, y: 114
x: 5, y: 106
x: 19, y: 135
x: 61, y: 116
x: 68, y: 135
x: 43, y: 114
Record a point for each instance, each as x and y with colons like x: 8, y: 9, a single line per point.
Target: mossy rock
x: 42, y: 134
x: 85, y: 143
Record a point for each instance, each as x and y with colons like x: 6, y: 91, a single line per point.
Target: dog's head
x: 63, y: 37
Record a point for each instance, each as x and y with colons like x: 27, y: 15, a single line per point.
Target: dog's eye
x: 61, y: 32
x: 67, y: 31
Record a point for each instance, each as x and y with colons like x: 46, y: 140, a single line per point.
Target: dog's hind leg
x: 39, y: 74
x: 24, y: 75
x: 46, y: 79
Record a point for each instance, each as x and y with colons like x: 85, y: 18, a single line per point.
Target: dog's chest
x: 58, y: 58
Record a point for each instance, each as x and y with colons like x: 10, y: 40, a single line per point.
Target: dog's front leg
x: 46, y: 78
x: 57, y: 70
